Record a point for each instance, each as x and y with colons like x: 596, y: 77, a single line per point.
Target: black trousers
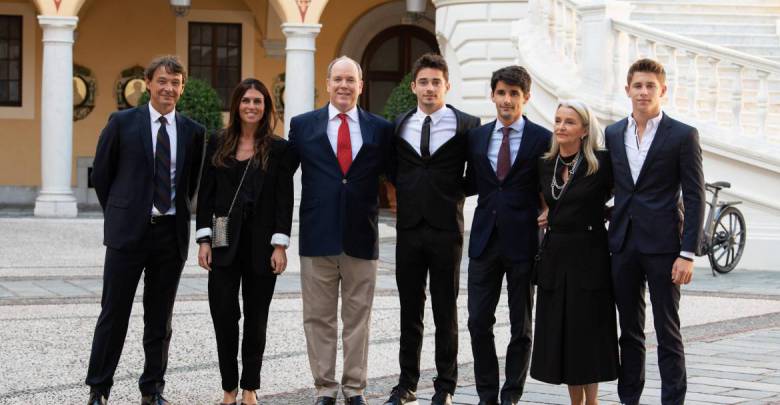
x: 630, y: 270
x: 159, y: 260
x: 420, y: 251
x: 257, y: 290
x: 486, y: 274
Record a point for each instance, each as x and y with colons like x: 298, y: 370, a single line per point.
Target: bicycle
x: 724, y: 231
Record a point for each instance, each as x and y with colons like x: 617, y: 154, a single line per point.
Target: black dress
x: 575, y: 336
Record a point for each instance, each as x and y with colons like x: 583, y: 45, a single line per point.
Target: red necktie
x: 503, y: 164
x: 344, y: 145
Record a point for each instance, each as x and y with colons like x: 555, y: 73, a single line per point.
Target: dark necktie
x: 425, y: 138
x: 344, y: 145
x: 503, y: 164
x: 162, y: 169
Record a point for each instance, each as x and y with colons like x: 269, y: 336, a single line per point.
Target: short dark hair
x: 430, y: 61
x: 171, y: 64
x: 513, y: 76
x: 647, y: 66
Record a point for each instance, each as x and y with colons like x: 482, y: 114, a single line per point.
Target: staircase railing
x: 706, y: 82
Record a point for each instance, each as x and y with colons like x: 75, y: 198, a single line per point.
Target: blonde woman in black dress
x: 575, y: 340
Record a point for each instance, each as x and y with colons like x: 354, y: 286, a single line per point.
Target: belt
x: 161, y: 219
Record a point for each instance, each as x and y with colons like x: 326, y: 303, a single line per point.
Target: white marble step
x: 738, y: 38
x: 703, y: 15
x: 733, y: 7
x: 722, y: 28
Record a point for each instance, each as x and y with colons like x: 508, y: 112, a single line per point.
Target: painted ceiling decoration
x: 57, y: 4
x: 303, y: 6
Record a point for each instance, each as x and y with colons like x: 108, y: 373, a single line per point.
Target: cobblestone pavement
x: 51, y: 279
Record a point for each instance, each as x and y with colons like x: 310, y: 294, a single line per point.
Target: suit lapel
x: 655, y: 146
x: 366, y: 132
x: 321, y: 135
x: 527, y: 143
x: 619, y: 145
x: 182, y: 139
x: 146, y: 135
x: 485, y: 145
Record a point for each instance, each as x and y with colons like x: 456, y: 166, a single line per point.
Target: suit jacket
x: 339, y: 213
x: 272, y: 210
x: 509, y: 208
x: 431, y: 189
x: 649, y: 207
x: 123, y: 176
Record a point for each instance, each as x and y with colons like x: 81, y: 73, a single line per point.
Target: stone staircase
x: 749, y: 26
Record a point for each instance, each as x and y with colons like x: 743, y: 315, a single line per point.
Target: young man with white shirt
x: 145, y: 174
x: 429, y: 158
x: 654, y: 158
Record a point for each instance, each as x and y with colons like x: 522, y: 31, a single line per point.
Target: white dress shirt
x: 636, y: 149
x: 355, y: 136
x: 515, y: 137
x: 443, y: 126
x: 170, y: 126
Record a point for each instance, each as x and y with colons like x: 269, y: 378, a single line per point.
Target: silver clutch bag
x: 220, y: 226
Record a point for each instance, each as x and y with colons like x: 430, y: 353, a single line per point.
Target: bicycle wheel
x: 728, y: 240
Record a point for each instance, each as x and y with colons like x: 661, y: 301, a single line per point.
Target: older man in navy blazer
x: 502, y: 168
x: 654, y: 157
x: 342, y: 152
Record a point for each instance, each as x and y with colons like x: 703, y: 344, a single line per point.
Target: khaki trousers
x: 321, y: 279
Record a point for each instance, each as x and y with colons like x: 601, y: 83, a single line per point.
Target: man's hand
x: 204, y: 256
x: 279, y: 259
x: 542, y: 219
x: 682, y: 271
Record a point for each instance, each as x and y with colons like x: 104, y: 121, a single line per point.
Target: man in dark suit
x: 653, y: 158
x: 429, y: 160
x: 145, y: 174
x: 342, y: 151
x: 502, y: 167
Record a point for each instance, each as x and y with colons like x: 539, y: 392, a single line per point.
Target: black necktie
x: 425, y: 138
x: 162, y: 169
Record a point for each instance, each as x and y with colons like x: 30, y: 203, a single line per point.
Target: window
x: 215, y: 56
x: 11, y: 60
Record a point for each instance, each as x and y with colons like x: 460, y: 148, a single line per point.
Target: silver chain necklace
x: 571, y: 167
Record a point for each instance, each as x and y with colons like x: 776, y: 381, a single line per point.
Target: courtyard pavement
x: 51, y: 280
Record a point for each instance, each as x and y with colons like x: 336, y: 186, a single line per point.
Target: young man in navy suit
x: 653, y: 158
x: 145, y: 174
x: 342, y: 151
x: 429, y: 159
x: 502, y: 168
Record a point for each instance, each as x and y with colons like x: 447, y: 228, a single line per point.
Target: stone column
x: 299, y: 70
x: 56, y: 198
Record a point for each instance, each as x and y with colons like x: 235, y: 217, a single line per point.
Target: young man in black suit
x: 429, y: 160
x: 653, y: 158
x: 145, y: 174
x: 502, y: 166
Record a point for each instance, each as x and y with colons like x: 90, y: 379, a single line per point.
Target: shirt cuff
x: 689, y: 255
x: 280, y: 239
x: 202, y: 232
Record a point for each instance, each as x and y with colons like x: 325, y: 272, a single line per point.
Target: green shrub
x: 401, y: 99
x: 199, y: 102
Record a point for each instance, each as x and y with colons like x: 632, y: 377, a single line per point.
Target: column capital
x: 301, y: 30
x: 443, y: 3
x: 57, y: 29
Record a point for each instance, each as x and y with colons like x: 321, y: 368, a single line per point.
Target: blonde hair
x: 591, y: 142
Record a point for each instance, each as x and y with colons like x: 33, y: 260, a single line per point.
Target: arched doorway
x: 388, y: 57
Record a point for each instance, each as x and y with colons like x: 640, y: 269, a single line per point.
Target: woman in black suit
x: 575, y: 340
x: 246, y: 166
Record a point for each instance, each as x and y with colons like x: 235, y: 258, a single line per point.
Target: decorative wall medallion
x: 129, y: 88
x: 303, y: 6
x: 83, y: 92
x: 278, y: 90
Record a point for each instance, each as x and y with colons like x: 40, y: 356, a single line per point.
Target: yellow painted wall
x: 115, y: 35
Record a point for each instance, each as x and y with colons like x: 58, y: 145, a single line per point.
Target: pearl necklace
x: 571, y: 168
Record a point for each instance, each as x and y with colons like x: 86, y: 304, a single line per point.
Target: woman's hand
x: 542, y: 219
x: 204, y: 256
x: 279, y: 259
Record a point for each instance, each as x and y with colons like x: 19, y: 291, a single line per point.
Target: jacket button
x: 494, y: 212
x: 343, y: 181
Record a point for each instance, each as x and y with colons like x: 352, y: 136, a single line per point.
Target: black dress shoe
x: 441, y: 398
x: 154, y: 399
x: 356, y: 400
x: 489, y: 402
x: 509, y: 401
x: 400, y: 396
x: 96, y: 399
x: 325, y: 401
